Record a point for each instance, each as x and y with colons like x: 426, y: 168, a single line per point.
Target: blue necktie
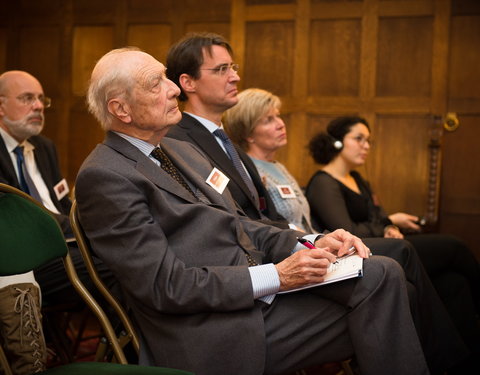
x: 235, y: 158
x: 26, y: 182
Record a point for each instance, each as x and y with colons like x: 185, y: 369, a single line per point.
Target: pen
x: 306, y: 243
x: 351, y: 251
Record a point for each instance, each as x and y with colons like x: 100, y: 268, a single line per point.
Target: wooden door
x: 460, y: 185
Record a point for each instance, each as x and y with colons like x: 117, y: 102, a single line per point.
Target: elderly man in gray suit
x: 200, y: 277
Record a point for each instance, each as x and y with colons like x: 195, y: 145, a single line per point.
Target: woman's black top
x: 333, y: 205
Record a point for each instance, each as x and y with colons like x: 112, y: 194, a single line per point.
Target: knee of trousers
x: 381, y: 270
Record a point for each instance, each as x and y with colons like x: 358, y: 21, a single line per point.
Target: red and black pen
x: 306, y: 243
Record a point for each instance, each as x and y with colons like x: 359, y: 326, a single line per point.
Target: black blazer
x: 47, y: 163
x: 191, y: 130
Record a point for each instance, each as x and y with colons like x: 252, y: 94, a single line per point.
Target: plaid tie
x: 26, y: 182
x: 235, y: 158
x: 168, y: 167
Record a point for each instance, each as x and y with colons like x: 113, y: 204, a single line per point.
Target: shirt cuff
x: 265, y: 281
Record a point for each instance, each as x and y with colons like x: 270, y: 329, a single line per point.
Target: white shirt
x: 31, y: 166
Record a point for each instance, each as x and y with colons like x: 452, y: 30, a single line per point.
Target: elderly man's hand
x: 340, y: 242
x: 303, y: 268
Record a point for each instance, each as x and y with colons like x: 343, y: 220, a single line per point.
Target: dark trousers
x: 56, y: 287
x: 440, y: 339
x: 369, y: 317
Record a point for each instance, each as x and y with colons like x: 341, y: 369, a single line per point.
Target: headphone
x: 338, y: 144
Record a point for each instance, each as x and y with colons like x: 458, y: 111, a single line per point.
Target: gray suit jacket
x: 180, y: 261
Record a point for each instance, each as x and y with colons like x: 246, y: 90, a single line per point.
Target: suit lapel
x: 147, y: 167
x: 6, y: 166
x: 207, y: 142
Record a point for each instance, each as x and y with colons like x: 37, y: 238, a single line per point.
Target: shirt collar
x: 11, y: 143
x: 145, y: 147
x: 210, y: 125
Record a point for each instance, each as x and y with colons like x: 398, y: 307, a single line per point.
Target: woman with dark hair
x: 340, y: 198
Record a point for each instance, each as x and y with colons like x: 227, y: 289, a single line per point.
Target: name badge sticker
x: 61, y: 189
x: 286, y: 191
x: 217, y: 180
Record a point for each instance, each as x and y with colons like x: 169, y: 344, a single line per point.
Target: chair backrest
x: 85, y: 250
x: 29, y: 237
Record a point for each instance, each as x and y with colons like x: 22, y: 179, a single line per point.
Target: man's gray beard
x: 21, y: 129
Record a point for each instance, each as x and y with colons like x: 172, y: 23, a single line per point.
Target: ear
x: 187, y: 83
x: 2, y: 112
x: 250, y: 140
x: 120, y: 110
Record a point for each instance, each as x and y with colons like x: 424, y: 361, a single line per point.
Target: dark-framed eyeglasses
x: 223, y: 69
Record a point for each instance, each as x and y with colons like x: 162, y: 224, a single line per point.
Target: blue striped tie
x: 235, y: 158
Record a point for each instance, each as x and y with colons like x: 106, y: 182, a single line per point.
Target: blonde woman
x: 256, y: 126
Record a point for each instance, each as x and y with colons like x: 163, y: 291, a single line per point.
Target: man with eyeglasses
x: 28, y: 161
x: 201, y: 65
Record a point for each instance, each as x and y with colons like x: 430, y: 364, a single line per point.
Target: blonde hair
x: 242, y: 118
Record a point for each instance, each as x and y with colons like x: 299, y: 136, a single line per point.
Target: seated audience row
x: 199, y: 248
x: 340, y: 198
x: 161, y: 214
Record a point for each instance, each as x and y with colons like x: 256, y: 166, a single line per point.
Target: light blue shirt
x: 265, y: 280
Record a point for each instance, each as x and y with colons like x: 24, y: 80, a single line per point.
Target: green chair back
x: 29, y: 236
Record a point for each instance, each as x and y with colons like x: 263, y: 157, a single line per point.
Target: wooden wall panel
x: 85, y: 134
x: 153, y: 39
x: 334, y: 64
x: 460, y: 198
x: 160, y: 11
x: 42, y: 9
x: 461, y: 180
x: 404, y: 56
x: 96, y: 11
x: 217, y: 27
x: 397, y: 165
x: 269, y: 2
x: 462, y: 189
x: 39, y: 55
x: 269, y: 56
x: 464, y: 69
x: 89, y: 44
x: 3, y: 49
x: 209, y: 11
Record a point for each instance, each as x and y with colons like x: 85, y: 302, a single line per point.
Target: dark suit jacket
x: 181, y: 262
x: 47, y: 163
x: 191, y: 130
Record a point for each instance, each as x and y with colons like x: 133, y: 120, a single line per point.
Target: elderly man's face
x: 154, y: 98
x: 20, y: 118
